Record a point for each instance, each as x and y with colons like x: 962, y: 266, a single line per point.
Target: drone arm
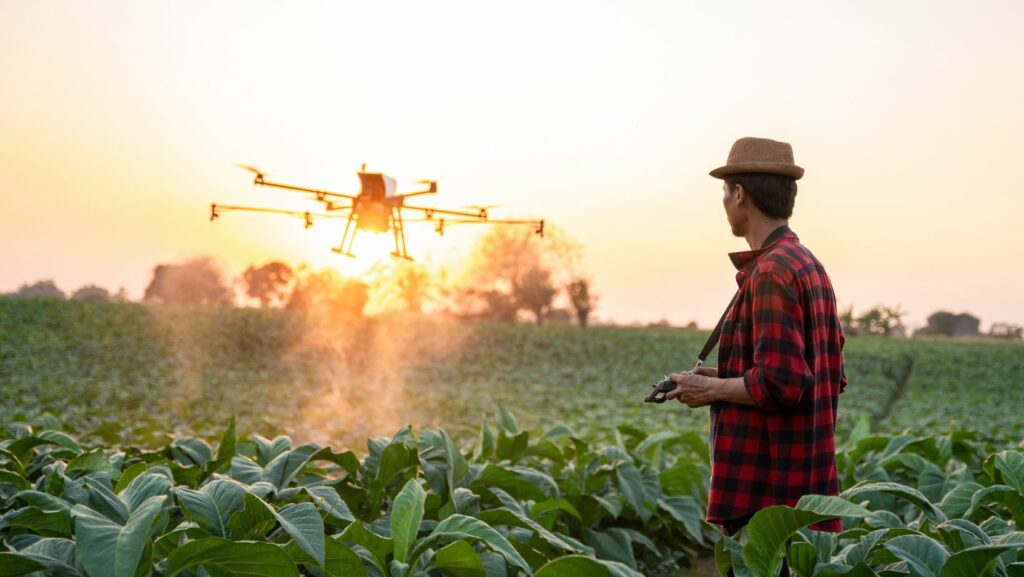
x: 216, y: 209
x: 431, y: 211
x: 319, y: 193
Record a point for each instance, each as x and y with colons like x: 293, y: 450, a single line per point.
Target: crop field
x: 130, y: 373
x: 154, y: 431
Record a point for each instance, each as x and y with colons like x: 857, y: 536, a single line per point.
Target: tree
x: 951, y: 325
x: 195, y: 281
x: 582, y: 300
x: 524, y: 267
x: 269, y: 283
x: 848, y: 322
x: 44, y: 289
x: 883, y: 321
x: 536, y: 292
x: 1006, y: 331
x: 91, y: 293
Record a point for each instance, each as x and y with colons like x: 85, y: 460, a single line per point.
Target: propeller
x: 259, y: 174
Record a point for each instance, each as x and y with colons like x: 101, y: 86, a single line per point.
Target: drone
x: 377, y: 209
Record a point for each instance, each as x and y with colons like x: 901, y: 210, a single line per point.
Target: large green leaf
x: 1001, y: 494
x: 114, y: 550
x: 687, y: 511
x: 15, y: 565
x: 974, y: 562
x: 212, y: 506
x: 631, y: 484
x: 895, y: 489
x: 379, y: 547
x: 458, y: 559
x: 405, y: 518
x: 156, y: 481
x: 512, y: 518
x: 769, y: 529
x: 327, y: 499
x: 304, y: 524
x: 924, y: 556
x: 1011, y: 465
x: 231, y: 558
x: 283, y: 468
x: 578, y: 565
x: 462, y: 527
x: 253, y: 520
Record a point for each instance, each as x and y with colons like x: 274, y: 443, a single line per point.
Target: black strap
x: 717, y: 333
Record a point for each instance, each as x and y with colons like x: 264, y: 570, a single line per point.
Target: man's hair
x: 773, y: 194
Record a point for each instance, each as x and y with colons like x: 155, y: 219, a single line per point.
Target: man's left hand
x: 692, y: 389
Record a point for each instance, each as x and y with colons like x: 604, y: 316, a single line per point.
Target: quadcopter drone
x: 377, y: 208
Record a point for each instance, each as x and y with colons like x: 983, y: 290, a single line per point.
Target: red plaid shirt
x: 782, y: 335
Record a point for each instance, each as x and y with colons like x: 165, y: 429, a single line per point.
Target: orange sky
x: 120, y: 122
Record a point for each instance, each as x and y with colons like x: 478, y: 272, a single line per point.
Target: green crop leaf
x: 156, y: 481
x: 631, y: 483
x: 327, y: 499
x: 511, y: 518
x: 506, y: 422
x: 1011, y: 465
x: 802, y: 559
x: 462, y: 527
x: 191, y: 452
x: 974, y: 562
x: 304, y: 524
x: 104, y: 501
x: 90, y: 462
x: 46, y: 523
x: 231, y: 558
x: 577, y: 565
x: 57, y: 556
x: 687, y: 511
x: 15, y: 565
x: 924, y: 556
x: 406, y: 515
x: 253, y: 520
x: 895, y: 489
x: 213, y: 505
x: 379, y: 547
x: 458, y: 559
x: 283, y: 468
x: 769, y: 529
x: 108, y: 548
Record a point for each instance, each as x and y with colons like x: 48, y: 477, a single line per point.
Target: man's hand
x: 695, y: 389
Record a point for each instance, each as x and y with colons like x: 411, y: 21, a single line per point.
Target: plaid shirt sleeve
x: 780, y: 374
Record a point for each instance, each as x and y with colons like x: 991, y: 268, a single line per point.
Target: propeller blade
x: 252, y: 169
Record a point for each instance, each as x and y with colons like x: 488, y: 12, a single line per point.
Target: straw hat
x: 761, y: 155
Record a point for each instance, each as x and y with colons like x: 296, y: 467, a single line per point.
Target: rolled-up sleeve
x: 780, y: 374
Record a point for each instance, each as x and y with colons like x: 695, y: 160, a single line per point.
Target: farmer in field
x: 775, y: 392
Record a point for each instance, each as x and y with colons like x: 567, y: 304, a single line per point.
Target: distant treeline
x: 887, y: 321
x: 511, y: 275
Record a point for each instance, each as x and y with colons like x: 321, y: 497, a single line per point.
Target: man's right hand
x: 707, y: 372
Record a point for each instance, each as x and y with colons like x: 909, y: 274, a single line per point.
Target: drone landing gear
x: 398, y: 227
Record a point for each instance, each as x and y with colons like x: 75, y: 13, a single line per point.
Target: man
x: 775, y: 392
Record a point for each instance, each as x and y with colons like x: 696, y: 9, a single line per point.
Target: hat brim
x: 791, y: 170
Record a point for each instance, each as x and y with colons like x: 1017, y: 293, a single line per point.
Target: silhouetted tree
x: 536, y: 292
x: 848, y: 322
x: 882, y: 320
x: 514, y: 261
x: 1006, y: 331
x: 195, y: 281
x: 583, y: 301
x: 91, y: 293
x: 951, y: 325
x: 44, y: 289
x: 268, y: 283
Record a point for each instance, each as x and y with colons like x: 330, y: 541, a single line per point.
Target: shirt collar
x: 743, y: 258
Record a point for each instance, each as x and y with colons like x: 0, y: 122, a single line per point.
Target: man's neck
x: 760, y: 229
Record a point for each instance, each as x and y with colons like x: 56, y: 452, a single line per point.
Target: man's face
x: 733, y: 213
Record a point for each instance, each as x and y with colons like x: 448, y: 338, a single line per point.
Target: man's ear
x: 739, y: 194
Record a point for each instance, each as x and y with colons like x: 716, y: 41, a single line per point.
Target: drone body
x: 377, y: 208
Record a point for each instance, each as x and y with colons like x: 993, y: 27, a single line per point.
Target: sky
x: 120, y: 123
